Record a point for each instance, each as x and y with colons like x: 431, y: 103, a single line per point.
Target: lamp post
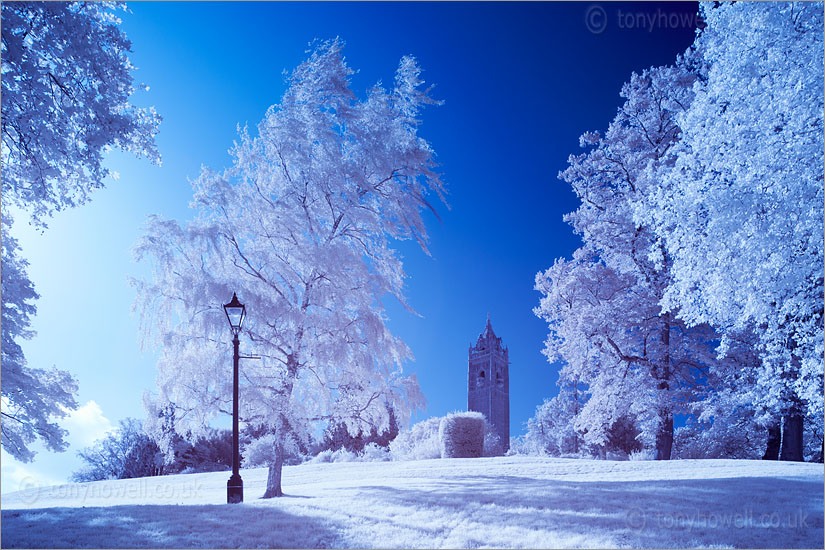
x: 236, y: 313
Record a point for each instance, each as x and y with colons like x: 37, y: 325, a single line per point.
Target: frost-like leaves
x: 423, y: 440
x: 551, y: 430
x: 636, y: 360
x: 419, y: 442
x: 701, y: 204
x: 300, y: 227
x: 740, y: 206
x: 65, y: 102
x: 32, y: 399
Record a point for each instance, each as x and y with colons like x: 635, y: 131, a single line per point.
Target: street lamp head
x: 236, y: 313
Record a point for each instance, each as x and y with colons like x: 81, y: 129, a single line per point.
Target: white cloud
x: 16, y: 476
x: 86, y: 425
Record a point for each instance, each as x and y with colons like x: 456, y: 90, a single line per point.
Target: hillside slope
x: 513, y: 502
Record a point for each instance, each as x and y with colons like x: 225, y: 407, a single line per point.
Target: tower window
x: 481, y: 379
x: 499, y: 379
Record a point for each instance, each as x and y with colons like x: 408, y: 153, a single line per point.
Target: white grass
x: 512, y: 502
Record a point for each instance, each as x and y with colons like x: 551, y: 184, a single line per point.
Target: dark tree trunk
x: 273, y: 479
x: 774, y: 440
x: 576, y: 414
x: 792, y: 437
x: 664, y: 438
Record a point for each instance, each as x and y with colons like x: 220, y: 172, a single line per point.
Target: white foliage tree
x: 32, y: 399
x: 602, y: 306
x: 301, y: 227
x: 66, y: 81
x: 740, y: 208
x: 728, y: 418
x: 551, y: 428
x: 65, y: 101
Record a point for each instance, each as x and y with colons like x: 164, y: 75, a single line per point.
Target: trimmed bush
x: 462, y: 435
x: 423, y: 441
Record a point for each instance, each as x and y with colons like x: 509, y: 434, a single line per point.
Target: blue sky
x: 520, y: 83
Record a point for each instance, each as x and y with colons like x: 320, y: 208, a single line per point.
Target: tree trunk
x: 774, y: 440
x: 792, y: 437
x: 664, y: 438
x: 273, y: 479
x: 575, y: 414
x: 794, y: 420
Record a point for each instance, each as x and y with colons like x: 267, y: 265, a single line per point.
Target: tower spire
x: 488, y: 330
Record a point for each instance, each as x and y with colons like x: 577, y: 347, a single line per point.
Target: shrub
x: 340, y: 455
x: 623, y: 437
x: 641, y: 454
x: 422, y: 441
x: 492, y: 442
x: 724, y: 437
x: 462, y: 435
x: 260, y: 452
x: 126, y: 452
x: 211, y: 452
x: 322, y: 457
x: 375, y: 452
x: 419, y: 442
x: 337, y: 436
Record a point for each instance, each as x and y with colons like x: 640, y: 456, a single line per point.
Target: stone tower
x: 488, y: 382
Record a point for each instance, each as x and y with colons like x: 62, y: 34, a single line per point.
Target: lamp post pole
x: 234, y: 487
x: 235, y: 313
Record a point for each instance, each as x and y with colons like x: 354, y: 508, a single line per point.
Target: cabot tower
x: 488, y: 382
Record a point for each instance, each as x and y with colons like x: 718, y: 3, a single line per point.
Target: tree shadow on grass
x: 151, y: 526
x: 729, y: 512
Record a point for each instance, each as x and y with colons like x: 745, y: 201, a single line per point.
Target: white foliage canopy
x: 301, y: 227
x: 66, y: 85
x: 602, y: 307
x: 550, y: 430
x: 32, y: 398
x: 740, y: 208
x: 702, y: 206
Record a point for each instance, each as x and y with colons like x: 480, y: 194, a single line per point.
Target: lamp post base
x: 234, y: 489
